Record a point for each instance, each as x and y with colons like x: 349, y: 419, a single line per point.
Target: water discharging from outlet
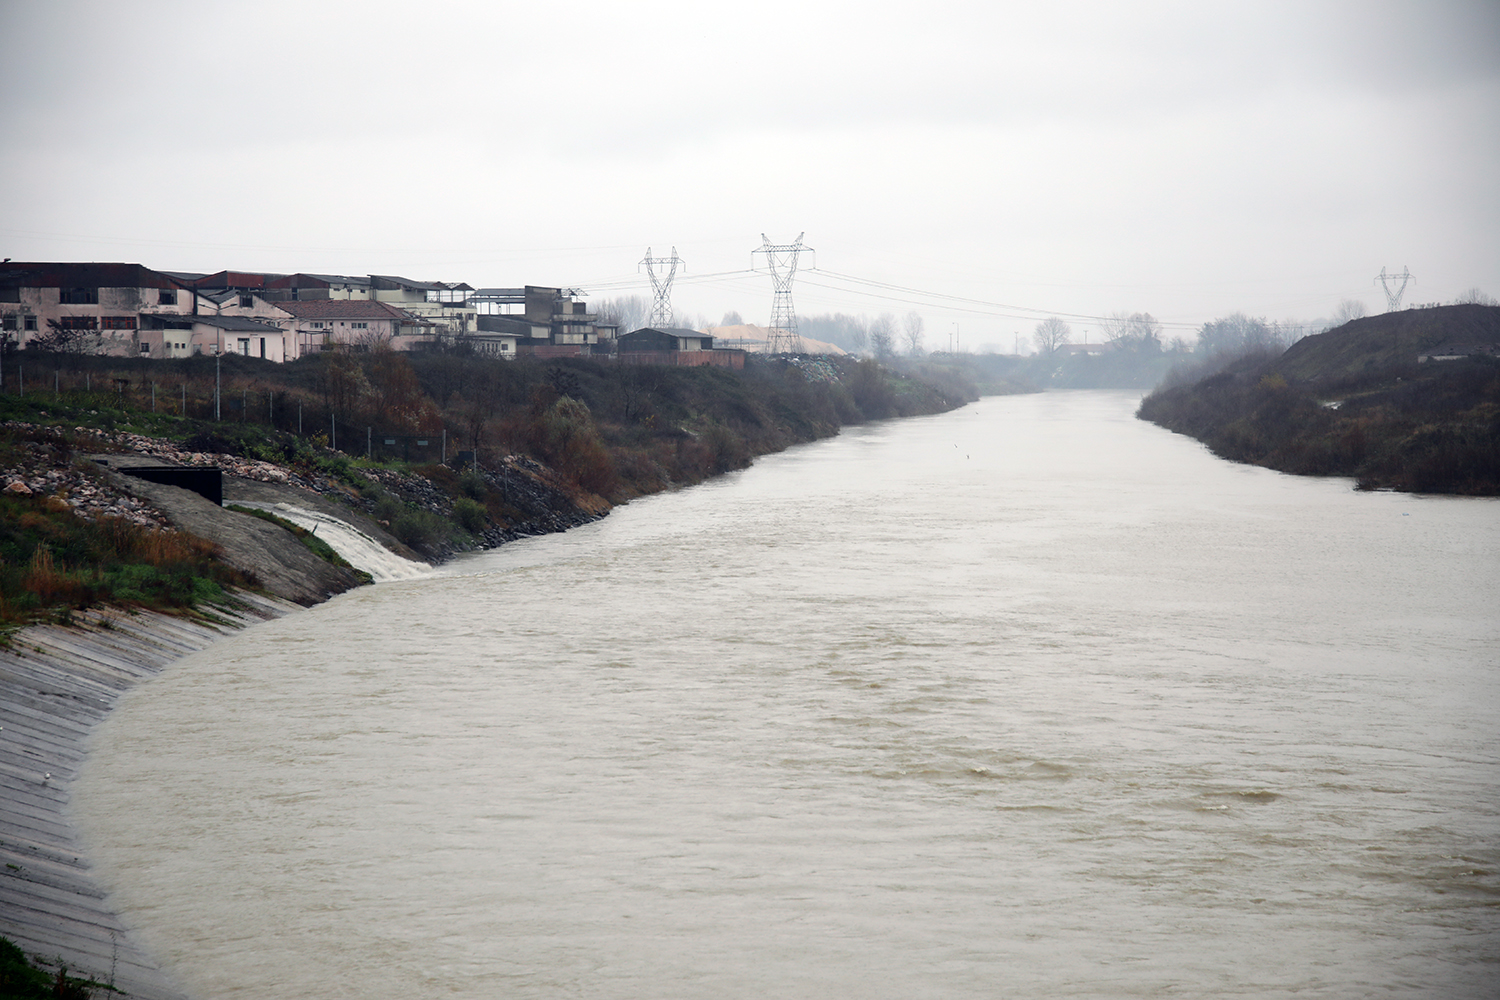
x: 358, y: 548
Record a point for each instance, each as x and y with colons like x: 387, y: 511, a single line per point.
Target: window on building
x: 119, y: 322
x: 360, y: 326
x: 79, y: 322
x: 78, y: 296
x: 245, y: 346
x: 247, y: 301
x: 166, y: 296
x: 145, y: 348
x: 28, y: 323
x: 8, y: 322
x: 318, y: 325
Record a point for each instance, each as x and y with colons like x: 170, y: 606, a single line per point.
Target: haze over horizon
x: 981, y: 164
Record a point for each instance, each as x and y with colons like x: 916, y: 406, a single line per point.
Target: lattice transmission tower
x: 1393, y: 299
x: 782, y: 263
x: 661, y: 286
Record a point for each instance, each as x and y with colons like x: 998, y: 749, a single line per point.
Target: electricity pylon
x: 1393, y: 299
x: 661, y: 305
x: 782, y: 262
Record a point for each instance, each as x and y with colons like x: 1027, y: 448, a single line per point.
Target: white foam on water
x: 358, y: 548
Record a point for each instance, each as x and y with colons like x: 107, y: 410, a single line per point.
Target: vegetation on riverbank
x: 23, y: 980
x: 1356, y: 401
x: 53, y: 561
x: 449, y: 450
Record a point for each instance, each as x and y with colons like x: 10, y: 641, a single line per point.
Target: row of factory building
x: 132, y: 310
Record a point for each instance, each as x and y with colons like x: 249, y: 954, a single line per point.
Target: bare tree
x: 628, y: 312
x: 1050, y: 334
x: 912, y: 329
x: 1289, y: 331
x: 1476, y: 297
x: 1348, y: 310
x: 60, y: 339
x: 1136, y: 333
x: 374, y: 338
x: 732, y: 318
x: 883, y: 336
x: 1234, y: 334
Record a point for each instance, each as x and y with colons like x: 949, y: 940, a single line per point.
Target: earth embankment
x: 1406, y: 401
x: 56, y: 684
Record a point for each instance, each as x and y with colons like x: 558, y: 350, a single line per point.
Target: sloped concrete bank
x: 56, y: 684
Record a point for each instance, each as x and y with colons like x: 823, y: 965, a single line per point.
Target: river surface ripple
x: 1030, y: 699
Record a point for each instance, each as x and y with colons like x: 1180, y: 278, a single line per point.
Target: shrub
x: 564, y: 435
x: 470, y: 514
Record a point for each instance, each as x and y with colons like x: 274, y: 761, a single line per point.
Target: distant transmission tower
x: 661, y: 305
x: 782, y: 261
x: 1393, y: 299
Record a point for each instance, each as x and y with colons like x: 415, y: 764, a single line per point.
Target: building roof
x: 391, y: 281
x: 235, y: 324
x: 234, y: 279
x: 671, y: 331
x: 222, y: 295
x: 20, y: 274
x: 359, y: 309
x: 302, y: 279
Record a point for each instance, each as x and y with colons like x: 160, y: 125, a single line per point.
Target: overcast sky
x: 993, y: 162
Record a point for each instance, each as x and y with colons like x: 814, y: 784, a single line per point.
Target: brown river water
x: 1031, y: 699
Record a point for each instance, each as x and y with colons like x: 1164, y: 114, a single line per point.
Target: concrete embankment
x: 56, y: 684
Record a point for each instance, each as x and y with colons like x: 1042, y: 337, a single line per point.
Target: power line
x: 944, y: 300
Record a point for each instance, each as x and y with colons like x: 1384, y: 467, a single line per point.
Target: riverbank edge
x: 57, y: 684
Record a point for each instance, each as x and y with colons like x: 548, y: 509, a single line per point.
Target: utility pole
x: 218, y: 354
x: 661, y: 287
x: 782, y: 261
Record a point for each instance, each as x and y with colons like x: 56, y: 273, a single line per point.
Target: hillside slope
x: 1358, y: 401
